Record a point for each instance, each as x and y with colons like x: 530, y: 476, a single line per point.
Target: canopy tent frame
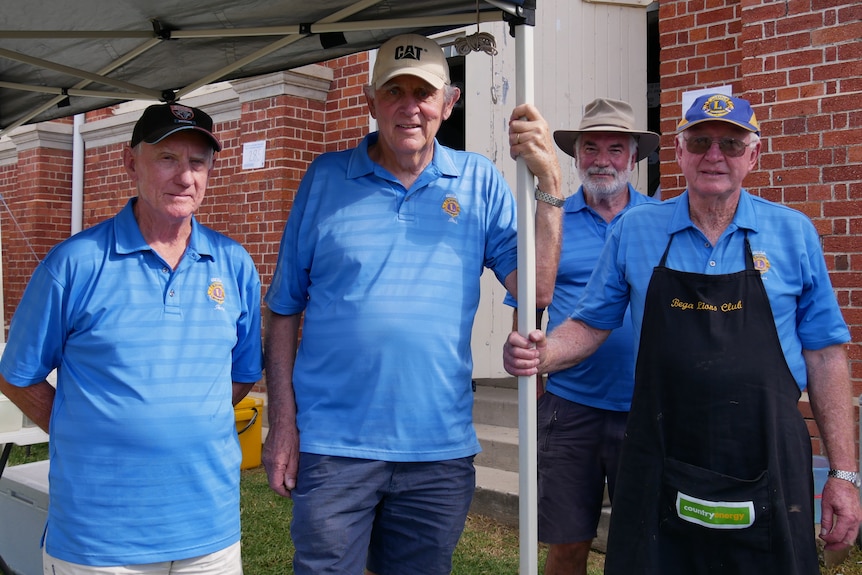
x: 26, y: 78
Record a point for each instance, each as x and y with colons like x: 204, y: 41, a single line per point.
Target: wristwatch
x: 850, y: 476
x: 549, y: 199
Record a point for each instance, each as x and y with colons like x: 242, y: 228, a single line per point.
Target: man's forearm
x: 569, y: 344
x: 830, y: 393
x: 35, y: 401
x: 280, y: 345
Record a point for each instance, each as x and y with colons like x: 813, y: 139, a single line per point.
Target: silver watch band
x: 851, y: 476
x: 549, y: 199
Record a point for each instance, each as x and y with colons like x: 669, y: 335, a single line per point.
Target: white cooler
x: 11, y: 418
x: 24, y: 510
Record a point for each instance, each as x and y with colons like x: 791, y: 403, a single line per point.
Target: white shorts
x: 228, y: 561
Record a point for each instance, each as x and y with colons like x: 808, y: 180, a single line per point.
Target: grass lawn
x: 486, y: 547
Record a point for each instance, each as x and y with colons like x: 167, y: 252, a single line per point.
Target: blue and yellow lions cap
x: 720, y: 108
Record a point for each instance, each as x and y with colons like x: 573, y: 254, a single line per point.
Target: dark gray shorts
x: 579, y: 448
x: 393, y: 518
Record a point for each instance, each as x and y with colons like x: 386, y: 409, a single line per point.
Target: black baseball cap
x: 161, y: 120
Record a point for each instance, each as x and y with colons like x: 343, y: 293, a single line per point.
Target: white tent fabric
x: 60, y: 58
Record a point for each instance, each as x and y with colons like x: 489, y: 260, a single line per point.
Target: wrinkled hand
x: 840, y: 514
x: 530, y: 139
x: 281, y: 458
x: 522, y: 356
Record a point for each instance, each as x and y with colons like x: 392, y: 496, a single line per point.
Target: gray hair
x: 633, y: 145
x: 137, y: 148
x: 752, y: 138
x: 449, y: 92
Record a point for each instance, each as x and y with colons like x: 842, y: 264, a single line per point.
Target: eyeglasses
x: 730, y: 147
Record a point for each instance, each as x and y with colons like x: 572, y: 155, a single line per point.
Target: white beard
x: 599, y: 190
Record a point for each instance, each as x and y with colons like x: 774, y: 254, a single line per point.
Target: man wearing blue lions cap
x: 735, y: 315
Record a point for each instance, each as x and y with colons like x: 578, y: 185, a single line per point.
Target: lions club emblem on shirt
x: 451, y: 207
x: 215, y: 291
x: 761, y: 262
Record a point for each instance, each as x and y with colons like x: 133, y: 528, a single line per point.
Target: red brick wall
x: 346, y: 112
x: 798, y: 63
x: 36, y: 215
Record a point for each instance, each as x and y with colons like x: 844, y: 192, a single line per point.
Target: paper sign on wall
x: 689, y: 97
x: 253, y: 155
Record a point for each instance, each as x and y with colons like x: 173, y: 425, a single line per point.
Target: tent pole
x: 527, y: 474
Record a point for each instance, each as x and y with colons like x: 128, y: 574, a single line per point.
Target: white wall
x: 582, y: 51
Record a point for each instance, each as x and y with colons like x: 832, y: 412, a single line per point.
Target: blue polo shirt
x: 388, y: 279
x: 786, y: 249
x: 604, y: 380
x: 145, y: 460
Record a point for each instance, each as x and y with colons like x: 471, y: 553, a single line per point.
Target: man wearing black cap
x: 152, y: 322
x: 732, y: 299
x: 582, y: 414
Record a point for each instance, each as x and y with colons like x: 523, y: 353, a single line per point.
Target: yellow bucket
x: 249, y: 427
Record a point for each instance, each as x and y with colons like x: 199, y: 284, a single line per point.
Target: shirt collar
x: 744, y: 217
x: 360, y: 164
x: 129, y: 238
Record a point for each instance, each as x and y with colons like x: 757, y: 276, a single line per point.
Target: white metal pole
x: 527, y: 479
x: 77, y: 175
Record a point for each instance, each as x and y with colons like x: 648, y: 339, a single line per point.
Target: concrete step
x: 499, y: 447
x: 496, y: 496
x: 495, y: 406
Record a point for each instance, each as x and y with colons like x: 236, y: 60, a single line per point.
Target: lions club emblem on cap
x: 215, y: 291
x: 718, y: 106
x: 451, y: 207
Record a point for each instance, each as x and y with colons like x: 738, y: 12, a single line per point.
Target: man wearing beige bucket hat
x: 582, y: 413
x: 604, y: 115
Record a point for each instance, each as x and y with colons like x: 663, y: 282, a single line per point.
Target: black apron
x: 715, y: 473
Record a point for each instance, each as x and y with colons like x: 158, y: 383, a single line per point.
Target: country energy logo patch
x: 715, y: 514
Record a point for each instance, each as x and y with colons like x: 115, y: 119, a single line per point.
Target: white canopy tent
x: 60, y: 59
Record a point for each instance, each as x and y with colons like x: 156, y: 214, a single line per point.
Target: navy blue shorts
x: 578, y: 449
x: 391, y: 518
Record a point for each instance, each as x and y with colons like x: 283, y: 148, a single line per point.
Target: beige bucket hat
x: 606, y: 115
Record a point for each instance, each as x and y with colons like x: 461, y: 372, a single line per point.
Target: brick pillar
x: 36, y: 207
x: 347, y: 117
x: 286, y: 111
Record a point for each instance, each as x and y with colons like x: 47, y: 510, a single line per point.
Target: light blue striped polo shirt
x: 389, y: 282
x: 785, y: 246
x: 143, y: 446
x: 606, y: 379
